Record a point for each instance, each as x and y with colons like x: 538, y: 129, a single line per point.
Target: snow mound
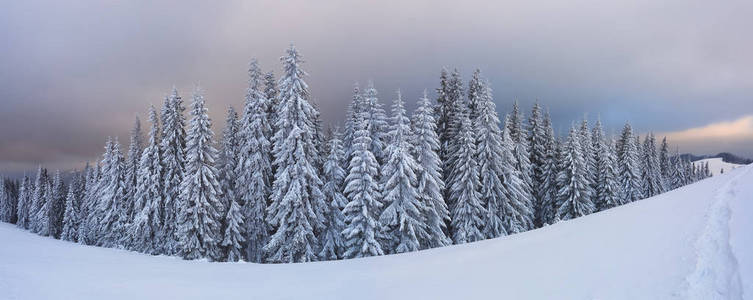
x: 716, y: 165
x: 691, y: 243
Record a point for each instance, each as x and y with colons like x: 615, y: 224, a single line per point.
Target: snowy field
x: 692, y: 243
x: 717, y: 164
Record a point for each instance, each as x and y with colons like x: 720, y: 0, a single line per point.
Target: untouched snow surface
x: 717, y: 164
x: 692, y: 243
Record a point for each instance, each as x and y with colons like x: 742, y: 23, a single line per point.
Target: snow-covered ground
x: 692, y: 243
x: 716, y: 165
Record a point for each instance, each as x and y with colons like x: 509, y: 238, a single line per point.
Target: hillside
x: 691, y: 243
x: 716, y: 165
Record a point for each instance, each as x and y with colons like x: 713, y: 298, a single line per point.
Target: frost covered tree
x: 466, y: 208
x: 135, y: 147
x: 233, y: 224
x: 476, y: 88
x: 254, y: 168
x: 199, y: 205
x: 489, y: 157
x: 537, y: 143
x: 146, y: 232
x: 607, y: 185
x: 233, y: 237
x: 401, y: 221
x: 665, y: 164
x: 39, y: 207
x: 355, y: 110
x: 270, y: 91
x: 25, y: 195
x: 587, y: 145
x: 173, y: 151
x: 56, y: 206
x: 517, y: 215
x: 88, y: 203
x: 5, y: 203
x: 430, y: 182
x: 451, y: 106
x: 111, y: 192
x: 377, y: 122
x: 547, y: 191
x: 628, y: 167
x: 653, y: 184
x: 364, y: 201
x: 71, y: 215
x: 333, y: 244
x: 520, y: 151
x: 573, y: 197
x: 297, y: 207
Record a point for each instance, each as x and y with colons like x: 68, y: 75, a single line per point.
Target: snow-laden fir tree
x: 451, y: 106
x: 628, y: 167
x: 88, y: 202
x: 25, y: 195
x: 71, y: 215
x: 489, y: 156
x: 355, y: 109
x: 297, y: 207
x: 173, y: 148
x: 537, y: 143
x: 522, y: 157
x: 5, y: 206
x: 665, y: 165
x: 517, y: 215
x: 56, y: 206
x: 135, y: 147
x: 587, y: 145
x: 607, y: 185
x: 430, y: 182
x: 146, y: 232
x: 333, y: 244
x: 364, y: 200
x: 199, y: 206
x: 270, y: 91
x: 466, y: 208
x: 476, y: 88
x: 110, y: 194
x: 377, y: 121
x: 254, y: 165
x: 39, y: 212
x: 653, y: 184
x: 233, y: 224
x: 573, y: 197
x: 547, y: 191
x: 401, y: 221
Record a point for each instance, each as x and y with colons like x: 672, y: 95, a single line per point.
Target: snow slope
x: 717, y: 164
x: 692, y: 243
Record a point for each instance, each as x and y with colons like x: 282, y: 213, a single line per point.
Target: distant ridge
x: 725, y: 156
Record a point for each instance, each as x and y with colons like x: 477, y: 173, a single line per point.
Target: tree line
x: 277, y: 188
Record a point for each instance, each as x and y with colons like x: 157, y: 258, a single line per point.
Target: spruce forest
x: 278, y: 187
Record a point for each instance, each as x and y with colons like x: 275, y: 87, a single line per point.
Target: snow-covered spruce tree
x: 653, y: 184
x: 466, y: 208
x: 665, y: 164
x: 333, y: 244
x: 198, y: 225
x: 254, y: 169
x: 88, y: 205
x: 71, y: 216
x: 475, y: 91
x: 364, y: 200
x: 607, y: 185
x: 270, y: 91
x: 298, y: 205
x: 233, y: 226
x: 56, y: 206
x: 489, y: 157
x: 573, y: 198
x: 355, y: 109
x: 146, y: 230
x: 537, y: 143
x: 173, y: 149
x: 401, y: 221
x: 520, y: 151
x: 628, y: 167
x: 110, y: 194
x: 377, y: 122
x: 135, y: 147
x: 39, y: 212
x: 517, y: 215
x: 586, y: 143
x: 25, y: 194
x: 430, y: 182
x: 549, y: 188
x: 5, y: 206
x: 451, y: 106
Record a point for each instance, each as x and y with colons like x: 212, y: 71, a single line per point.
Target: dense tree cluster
x: 280, y: 190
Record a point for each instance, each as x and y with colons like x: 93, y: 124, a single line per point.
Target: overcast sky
x: 73, y: 74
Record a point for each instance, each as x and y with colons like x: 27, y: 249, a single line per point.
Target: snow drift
x: 691, y: 243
